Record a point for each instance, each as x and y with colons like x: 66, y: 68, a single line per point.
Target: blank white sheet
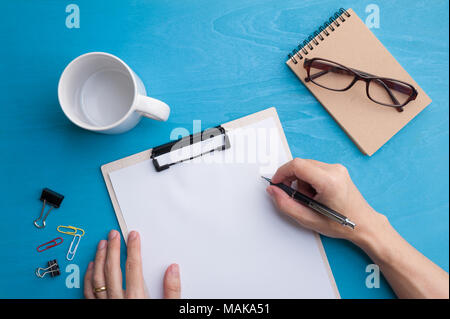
x: 217, y: 222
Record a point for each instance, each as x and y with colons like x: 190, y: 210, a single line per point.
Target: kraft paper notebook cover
x: 351, y: 43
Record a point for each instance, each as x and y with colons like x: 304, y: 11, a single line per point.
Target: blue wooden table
x: 213, y: 61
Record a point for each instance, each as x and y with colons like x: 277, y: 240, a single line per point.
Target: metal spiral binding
x: 313, y: 39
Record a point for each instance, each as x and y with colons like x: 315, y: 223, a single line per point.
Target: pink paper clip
x: 54, y: 242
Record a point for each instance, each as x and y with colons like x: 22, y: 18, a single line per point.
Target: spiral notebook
x: 345, y: 39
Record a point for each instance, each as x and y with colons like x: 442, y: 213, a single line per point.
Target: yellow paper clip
x: 73, y: 230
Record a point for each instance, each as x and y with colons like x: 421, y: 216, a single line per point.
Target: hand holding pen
x: 410, y: 274
x: 313, y: 204
x: 329, y: 185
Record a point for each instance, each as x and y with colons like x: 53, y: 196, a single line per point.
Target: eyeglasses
x: 337, y: 77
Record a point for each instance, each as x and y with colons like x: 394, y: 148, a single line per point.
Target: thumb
x: 290, y: 207
x: 172, y: 285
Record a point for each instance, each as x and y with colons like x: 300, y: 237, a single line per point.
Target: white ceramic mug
x: 99, y: 92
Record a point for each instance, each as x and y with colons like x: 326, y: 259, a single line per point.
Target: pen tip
x: 267, y: 179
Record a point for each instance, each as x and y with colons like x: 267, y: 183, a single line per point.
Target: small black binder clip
x: 52, y: 269
x: 188, y: 141
x: 53, y: 199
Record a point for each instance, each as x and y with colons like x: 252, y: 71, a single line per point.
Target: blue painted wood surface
x: 213, y: 61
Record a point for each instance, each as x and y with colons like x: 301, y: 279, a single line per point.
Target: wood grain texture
x: 213, y: 61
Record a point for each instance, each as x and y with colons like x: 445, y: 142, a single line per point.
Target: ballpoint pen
x: 314, y: 205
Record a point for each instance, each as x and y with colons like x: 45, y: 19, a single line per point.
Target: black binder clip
x: 53, y: 199
x: 52, y: 269
x: 188, y: 141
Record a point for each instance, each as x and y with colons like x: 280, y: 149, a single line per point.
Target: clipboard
x: 229, y: 126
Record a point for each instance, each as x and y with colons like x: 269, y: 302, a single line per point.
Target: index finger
x: 134, y: 276
x: 301, y: 169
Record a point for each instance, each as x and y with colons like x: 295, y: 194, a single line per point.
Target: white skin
x: 105, y: 271
x: 410, y: 274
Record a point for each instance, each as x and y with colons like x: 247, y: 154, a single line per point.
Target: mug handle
x: 152, y: 108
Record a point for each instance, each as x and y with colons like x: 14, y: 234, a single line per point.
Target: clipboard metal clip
x: 208, y: 135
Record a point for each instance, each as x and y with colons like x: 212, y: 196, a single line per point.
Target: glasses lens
x: 330, y: 75
x: 390, y: 92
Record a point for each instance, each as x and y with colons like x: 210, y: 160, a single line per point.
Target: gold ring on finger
x: 100, y: 289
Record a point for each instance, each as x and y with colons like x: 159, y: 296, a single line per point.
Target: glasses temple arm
x: 317, y: 75
x: 393, y: 98
x: 326, y: 69
x: 390, y: 84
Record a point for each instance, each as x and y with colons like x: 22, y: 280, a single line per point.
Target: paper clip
x: 73, y: 232
x: 53, y: 199
x: 52, y: 269
x: 71, y: 252
x: 55, y: 242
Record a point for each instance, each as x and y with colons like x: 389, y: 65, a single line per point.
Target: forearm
x: 410, y: 274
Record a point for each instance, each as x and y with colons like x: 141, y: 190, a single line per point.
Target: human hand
x: 105, y: 272
x: 331, y: 185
